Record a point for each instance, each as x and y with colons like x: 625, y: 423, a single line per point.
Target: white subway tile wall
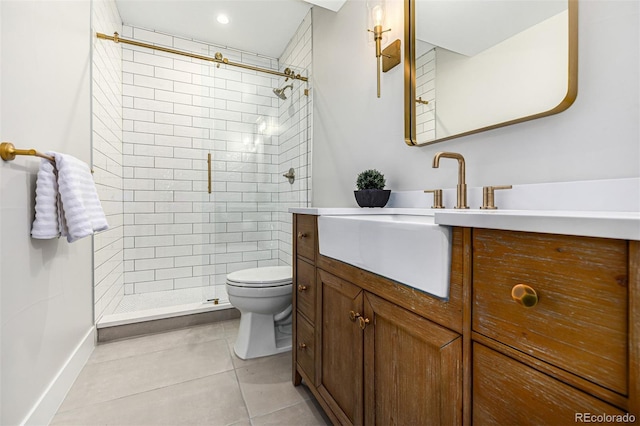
x: 176, y: 110
x: 107, y: 158
x: 426, y: 88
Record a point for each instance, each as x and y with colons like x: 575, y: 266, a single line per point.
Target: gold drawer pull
x: 301, y: 235
x: 353, y: 315
x: 363, y: 322
x: 302, y: 346
x: 301, y: 288
x: 524, y: 295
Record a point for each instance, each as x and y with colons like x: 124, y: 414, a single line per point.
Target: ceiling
x: 259, y: 26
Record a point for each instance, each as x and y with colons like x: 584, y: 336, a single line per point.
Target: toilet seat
x: 268, y: 276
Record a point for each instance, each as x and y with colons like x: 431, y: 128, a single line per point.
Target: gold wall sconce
x: 390, y: 56
x: 377, y: 11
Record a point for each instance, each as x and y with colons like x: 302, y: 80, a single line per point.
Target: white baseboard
x: 47, y: 405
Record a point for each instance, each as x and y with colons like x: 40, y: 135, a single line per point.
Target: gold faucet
x: 462, y: 186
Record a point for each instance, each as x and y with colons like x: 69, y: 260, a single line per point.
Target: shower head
x: 280, y: 92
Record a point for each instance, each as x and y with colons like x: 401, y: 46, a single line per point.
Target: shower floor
x: 166, y: 304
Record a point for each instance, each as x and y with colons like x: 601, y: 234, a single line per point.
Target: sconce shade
x: 377, y: 10
x: 378, y: 15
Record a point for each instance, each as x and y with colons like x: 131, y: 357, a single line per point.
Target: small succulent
x: 370, y: 179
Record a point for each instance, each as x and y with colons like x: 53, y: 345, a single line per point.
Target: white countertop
x: 341, y: 211
x: 621, y: 225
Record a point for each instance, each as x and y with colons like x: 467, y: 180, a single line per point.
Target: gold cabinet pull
x: 302, y: 346
x: 353, y: 315
x: 301, y: 288
x: 524, y: 295
x: 363, y: 322
x: 209, y: 172
x: 301, y: 235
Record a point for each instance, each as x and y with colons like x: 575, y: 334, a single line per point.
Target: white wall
x: 598, y: 137
x: 45, y: 285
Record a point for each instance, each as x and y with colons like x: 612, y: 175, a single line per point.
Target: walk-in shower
x: 178, y: 241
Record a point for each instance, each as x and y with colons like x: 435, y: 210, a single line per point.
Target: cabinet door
x: 413, y: 368
x: 341, y: 348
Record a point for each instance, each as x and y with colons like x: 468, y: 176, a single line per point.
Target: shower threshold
x: 160, y: 313
x: 141, y: 307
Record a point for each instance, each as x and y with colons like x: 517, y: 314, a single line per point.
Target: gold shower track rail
x: 218, y: 58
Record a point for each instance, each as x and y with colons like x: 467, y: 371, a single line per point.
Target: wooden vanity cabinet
x: 384, y: 353
x: 377, y: 352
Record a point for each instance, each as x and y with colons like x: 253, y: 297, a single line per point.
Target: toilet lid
x: 268, y: 276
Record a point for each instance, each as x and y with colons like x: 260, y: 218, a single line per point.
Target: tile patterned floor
x: 186, y: 377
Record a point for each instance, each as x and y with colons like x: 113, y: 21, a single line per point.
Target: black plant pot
x: 372, y: 197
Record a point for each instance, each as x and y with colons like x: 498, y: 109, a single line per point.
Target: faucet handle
x: 488, y: 196
x: 437, y: 198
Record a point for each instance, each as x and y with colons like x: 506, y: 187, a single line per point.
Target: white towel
x: 46, y: 224
x: 78, y: 210
x: 83, y: 212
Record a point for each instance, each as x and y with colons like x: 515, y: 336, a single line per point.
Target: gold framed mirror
x: 468, y: 70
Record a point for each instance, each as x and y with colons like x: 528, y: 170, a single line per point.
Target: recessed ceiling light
x: 223, y: 19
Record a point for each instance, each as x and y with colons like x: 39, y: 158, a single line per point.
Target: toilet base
x: 257, y: 336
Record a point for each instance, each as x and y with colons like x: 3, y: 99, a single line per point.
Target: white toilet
x: 263, y: 297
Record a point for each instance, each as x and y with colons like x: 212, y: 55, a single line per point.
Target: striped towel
x: 78, y: 210
x: 46, y: 224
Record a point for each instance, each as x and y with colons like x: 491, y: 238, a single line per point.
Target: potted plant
x: 371, y: 192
